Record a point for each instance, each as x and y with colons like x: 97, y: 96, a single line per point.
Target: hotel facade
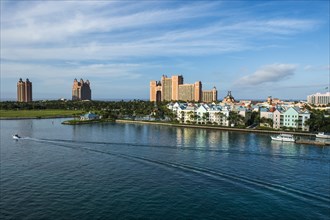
x: 24, y: 91
x: 173, y: 89
x: 81, y: 90
x: 319, y: 99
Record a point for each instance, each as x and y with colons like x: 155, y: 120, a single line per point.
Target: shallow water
x: 131, y: 171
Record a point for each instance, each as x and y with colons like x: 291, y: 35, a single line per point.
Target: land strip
x: 35, y: 114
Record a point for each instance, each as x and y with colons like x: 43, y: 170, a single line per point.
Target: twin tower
x: 173, y: 89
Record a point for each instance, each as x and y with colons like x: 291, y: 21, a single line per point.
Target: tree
x: 206, y: 117
x: 318, y: 121
x: 235, y: 118
x: 268, y: 121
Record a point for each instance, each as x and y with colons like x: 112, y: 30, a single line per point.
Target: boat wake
x: 199, y: 149
x: 242, y: 181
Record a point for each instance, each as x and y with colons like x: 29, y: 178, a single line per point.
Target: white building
x: 201, y: 113
x: 319, y: 99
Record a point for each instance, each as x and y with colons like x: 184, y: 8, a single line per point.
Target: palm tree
x: 206, y: 117
x: 191, y: 115
x: 235, y: 118
x: 318, y: 121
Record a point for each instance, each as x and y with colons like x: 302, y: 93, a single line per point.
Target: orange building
x: 173, y: 89
x: 81, y: 90
x: 210, y: 95
x: 24, y: 91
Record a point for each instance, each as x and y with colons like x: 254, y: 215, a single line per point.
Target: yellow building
x: 24, y: 91
x: 173, y: 89
x: 210, y: 95
x: 229, y: 99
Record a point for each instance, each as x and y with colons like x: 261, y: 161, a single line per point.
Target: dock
x: 313, y: 142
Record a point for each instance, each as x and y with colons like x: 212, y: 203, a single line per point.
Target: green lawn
x: 38, y: 113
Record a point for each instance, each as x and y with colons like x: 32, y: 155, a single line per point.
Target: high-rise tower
x: 173, y: 89
x: 24, y: 91
x: 81, y: 90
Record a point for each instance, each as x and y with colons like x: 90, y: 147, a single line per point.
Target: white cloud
x: 269, y: 73
x: 95, y: 30
x: 51, y: 39
x: 126, y: 71
x: 316, y: 68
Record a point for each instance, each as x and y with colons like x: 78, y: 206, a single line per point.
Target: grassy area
x: 38, y: 113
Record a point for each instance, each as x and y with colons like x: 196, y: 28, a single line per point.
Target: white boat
x: 283, y: 137
x: 15, y: 136
x: 322, y: 135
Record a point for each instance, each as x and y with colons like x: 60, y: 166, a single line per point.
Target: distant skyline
x: 253, y: 48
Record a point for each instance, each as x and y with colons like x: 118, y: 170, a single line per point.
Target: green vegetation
x: 38, y: 113
x: 134, y: 110
x: 108, y: 110
x: 235, y: 118
x: 319, y: 121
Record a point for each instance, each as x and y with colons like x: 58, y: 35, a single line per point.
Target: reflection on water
x: 201, y: 138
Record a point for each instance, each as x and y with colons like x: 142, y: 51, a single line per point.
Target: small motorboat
x: 322, y: 135
x: 16, y: 137
x: 283, y: 137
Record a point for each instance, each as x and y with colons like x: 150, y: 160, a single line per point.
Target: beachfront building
x: 277, y: 123
x: 244, y: 112
x: 291, y: 117
x: 200, y: 113
x: 295, y: 118
x: 89, y: 116
x: 173, y: 89
x: 24, y: 91
x: 219, y: 115
x: 319, y: 99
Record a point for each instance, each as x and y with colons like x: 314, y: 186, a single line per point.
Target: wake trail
x: 320, y: 159
x: 215, y: 174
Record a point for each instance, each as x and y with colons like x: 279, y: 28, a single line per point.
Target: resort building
x: 291, y: 117
x: 229, y: 99
x: 319, y: 99
x: 295, y: 118
x: 81, y: 90
x: 173, y: 89
x: 209, y: 96
x: 24, y: 91
x: 200, y: 113
x: 89, y: 116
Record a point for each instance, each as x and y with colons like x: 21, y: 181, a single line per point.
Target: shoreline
x: 85, y: 122
x: 216, y: 128
x: 36, y: 117
x: 177, y: 125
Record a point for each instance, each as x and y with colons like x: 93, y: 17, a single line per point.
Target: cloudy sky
x: 253, y: 48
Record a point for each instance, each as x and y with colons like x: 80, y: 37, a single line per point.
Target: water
x: 130, y: 171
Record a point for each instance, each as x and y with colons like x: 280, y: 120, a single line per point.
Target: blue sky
x: 253, y: 48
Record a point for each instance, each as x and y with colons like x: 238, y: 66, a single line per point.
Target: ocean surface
x: 132, y: 171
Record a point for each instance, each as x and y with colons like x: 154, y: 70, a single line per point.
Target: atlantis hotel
x: 173, y: 89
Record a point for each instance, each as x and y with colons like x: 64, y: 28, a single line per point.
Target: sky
x: 255, y: 49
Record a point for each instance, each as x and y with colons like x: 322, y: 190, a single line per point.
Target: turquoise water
x: 130, y: 171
